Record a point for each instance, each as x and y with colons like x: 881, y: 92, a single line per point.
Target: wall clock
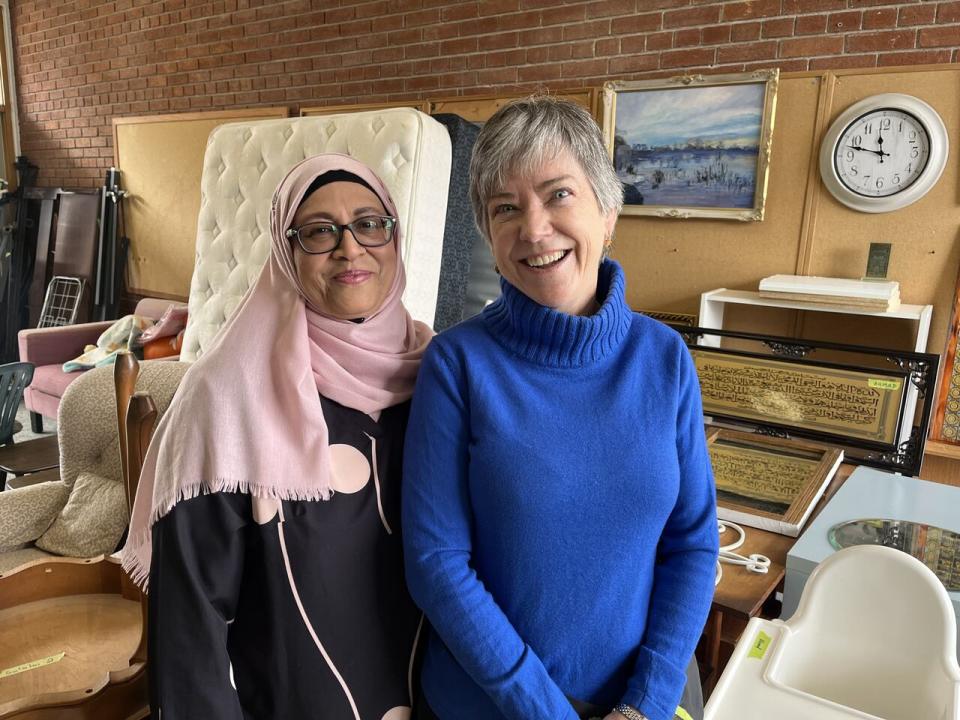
x: 883, y: 153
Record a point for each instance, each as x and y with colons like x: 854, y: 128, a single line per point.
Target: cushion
x: 27, y: 511
x: 51, y: 379
x: 170, y: 323
x: 163, y: 347
x: 13, y: 559
x: 93, y: 520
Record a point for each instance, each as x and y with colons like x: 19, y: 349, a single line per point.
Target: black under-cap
x: 333, y: 176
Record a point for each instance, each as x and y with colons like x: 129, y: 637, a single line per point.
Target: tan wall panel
x: 925, y: 252
x: 669, y: 262
x: 161, y: 158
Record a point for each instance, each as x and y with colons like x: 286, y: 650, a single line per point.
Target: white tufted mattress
x: 245, y: 162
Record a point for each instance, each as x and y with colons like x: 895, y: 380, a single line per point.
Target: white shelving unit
x: 713, y: 303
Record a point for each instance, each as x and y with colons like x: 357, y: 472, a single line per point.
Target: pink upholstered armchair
x: 49, y: 348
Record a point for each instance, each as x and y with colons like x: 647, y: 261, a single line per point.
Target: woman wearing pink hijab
x: 268, y: 513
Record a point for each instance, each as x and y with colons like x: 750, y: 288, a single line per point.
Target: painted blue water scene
x: 689, y: 147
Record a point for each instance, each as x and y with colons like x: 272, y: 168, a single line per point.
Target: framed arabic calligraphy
x: 875, y: 404
x: 766, y: 482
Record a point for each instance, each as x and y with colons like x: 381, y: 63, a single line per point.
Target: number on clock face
x: 881, y: 153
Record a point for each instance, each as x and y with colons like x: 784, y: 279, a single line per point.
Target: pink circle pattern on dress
x: 349, y: 469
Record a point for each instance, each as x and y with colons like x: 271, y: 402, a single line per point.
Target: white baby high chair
x: 873, y: 639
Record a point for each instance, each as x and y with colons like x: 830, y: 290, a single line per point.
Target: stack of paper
x: 859, y: 294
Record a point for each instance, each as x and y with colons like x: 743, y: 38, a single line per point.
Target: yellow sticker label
x: 32, y: 665
x: 760, y: 645
x: 884, y: 384
x: 683, y: 714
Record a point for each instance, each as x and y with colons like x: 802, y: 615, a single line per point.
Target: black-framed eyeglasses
x: 318, y: 238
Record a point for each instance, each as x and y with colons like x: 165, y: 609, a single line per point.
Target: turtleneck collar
x: 555, y: 339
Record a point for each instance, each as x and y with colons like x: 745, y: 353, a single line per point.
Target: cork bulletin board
x: 160, y: 158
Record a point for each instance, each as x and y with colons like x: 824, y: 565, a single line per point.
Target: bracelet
x: 630, y: 712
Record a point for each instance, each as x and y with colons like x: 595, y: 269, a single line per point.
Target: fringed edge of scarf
x: 135, y: 556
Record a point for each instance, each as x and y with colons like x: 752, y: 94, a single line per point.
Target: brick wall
x: 81, y: 62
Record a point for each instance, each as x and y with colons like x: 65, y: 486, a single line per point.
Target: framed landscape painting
x: 695, y: 146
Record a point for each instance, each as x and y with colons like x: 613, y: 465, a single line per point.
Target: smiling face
x: 547, y: 234
x: 352, y: 281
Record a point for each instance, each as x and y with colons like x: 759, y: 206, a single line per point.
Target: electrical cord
x: 755, y: 562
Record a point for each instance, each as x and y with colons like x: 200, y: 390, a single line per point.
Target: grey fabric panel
x: 467, y: 278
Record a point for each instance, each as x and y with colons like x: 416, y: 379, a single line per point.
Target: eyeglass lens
x: 321, y: 237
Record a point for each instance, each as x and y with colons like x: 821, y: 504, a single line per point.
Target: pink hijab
x: 247, y: 415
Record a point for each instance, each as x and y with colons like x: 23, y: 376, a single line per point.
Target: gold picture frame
x: 693, y: 146
x: 769, y: 483
x: 856, y: 404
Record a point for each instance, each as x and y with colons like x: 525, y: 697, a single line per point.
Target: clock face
x: 881, y: 153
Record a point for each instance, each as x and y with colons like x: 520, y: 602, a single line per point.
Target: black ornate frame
x: 920, y: 369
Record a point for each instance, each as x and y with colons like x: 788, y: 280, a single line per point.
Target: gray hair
x: 525, y: 133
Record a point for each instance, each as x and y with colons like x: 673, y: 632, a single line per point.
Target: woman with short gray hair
x: 559, y: 510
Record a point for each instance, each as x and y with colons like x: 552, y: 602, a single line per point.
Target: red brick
x: 607, y: 46
x: 645, y: 22
x: 917, y: 15
x: 607, y: 8
x: 878, y: 41
x: 811, y: 47
x: 744, y: 53
x: 687, y: 58
x: 539, y: 73
x: 915, y: 57
x: 843, y: 61
x: 633, y: 44
x: 751, y: 9
x: 584, y: 68
x: 781, y: 27
x: 715, y: 34
x: 520, y: 21
x: 811, y: 25
x: 459, y: 11
x: 634, y: 63
x: 691, y: 16
x: 593, y: 29
x: 659, y: 41
x: 948, y: 12
x: 938, y: 37
x: 844, y: 21
x: 799, y: 7
x: 879, y: 19
x: 504, y: 58
x: 742, y: 32
x: 541, y: 36
x: 686, y: 38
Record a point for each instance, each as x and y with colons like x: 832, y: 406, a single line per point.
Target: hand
x: 614, y: 716
x: 880, y: 152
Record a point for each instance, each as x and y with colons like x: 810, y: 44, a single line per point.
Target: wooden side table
x: 29, y: 456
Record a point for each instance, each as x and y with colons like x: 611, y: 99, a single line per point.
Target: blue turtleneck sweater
x: 559, y: 515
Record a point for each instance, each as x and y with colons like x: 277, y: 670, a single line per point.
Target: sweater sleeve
x: 195, y: 574
x: 685, y: 567
x: 437, y: 522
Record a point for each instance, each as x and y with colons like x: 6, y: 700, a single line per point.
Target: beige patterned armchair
x: 83, y: 512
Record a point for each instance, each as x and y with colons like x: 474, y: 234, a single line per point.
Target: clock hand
x: 880, y: 144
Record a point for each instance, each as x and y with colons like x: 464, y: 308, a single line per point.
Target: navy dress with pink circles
x: 267, y: 609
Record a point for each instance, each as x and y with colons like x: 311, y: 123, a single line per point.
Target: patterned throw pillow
x: 27, y: 511
x: 93, y: 520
